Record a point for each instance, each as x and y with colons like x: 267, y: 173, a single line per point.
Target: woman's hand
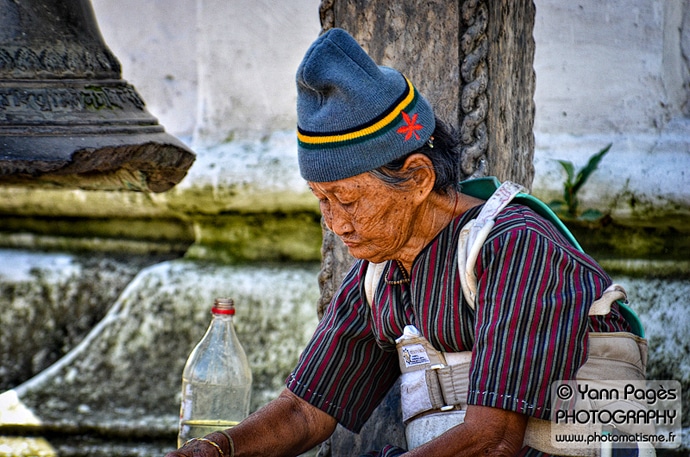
x: 486, y: 431
x: 286, y: 426
x: 195, y: 448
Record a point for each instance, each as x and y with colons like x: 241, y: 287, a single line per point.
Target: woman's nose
x: 340, y: 221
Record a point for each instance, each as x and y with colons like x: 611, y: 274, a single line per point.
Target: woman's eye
x: 348, y: 205
x: 346, y: 201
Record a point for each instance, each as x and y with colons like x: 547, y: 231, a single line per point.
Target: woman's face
x: 372, y: 219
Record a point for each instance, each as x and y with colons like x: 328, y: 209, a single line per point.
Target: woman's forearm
x: 287, y: 426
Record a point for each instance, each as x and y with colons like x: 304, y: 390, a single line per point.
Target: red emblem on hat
x: 411, y: 127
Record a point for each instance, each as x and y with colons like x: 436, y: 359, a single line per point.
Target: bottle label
x: 414, y: 354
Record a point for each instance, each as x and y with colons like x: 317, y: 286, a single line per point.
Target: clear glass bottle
x: 216, y: 381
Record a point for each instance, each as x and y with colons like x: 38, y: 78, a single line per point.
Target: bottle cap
x: 223, y: 306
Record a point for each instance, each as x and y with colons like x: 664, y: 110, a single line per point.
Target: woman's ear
x: 422, y: 175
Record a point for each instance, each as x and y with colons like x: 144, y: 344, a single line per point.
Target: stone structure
x: 121, y: 381
x: 220, y: 76
x: 619, y: 73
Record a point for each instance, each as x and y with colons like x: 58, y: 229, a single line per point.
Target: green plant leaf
x: 569, y: 169
x: 567, y: 209
x: 588, y: 169
x: 556, y: 206
x: 591, y: 215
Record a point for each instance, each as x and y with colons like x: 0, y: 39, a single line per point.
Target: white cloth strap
x: 475, y: 232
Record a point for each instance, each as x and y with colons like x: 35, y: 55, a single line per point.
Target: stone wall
x: 116, y: 388
x: 616, y: 72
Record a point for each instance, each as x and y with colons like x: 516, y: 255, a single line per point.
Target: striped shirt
x: 529, y: 328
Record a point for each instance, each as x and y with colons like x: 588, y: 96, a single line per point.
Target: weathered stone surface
x: 123, y: 379
x: 633, y: 183
x: 618, y: 73
x: 662, y: 305
x: 50, y: 302
x: 510, y: 92
x: 242, y: 200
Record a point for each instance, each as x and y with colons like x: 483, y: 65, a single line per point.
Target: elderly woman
x: 385, y: 172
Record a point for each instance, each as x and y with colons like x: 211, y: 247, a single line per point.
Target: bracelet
x: 231, y: 443
x: 212, y: 443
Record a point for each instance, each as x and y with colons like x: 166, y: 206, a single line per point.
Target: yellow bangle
x: 212, y: 443
x: 231, y: 443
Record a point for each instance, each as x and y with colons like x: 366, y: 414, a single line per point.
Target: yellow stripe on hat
x: 368, y: 130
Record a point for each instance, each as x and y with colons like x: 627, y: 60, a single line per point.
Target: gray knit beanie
x: 354, y: 116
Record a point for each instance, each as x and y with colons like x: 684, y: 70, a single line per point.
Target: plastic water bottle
x: 216, y: 381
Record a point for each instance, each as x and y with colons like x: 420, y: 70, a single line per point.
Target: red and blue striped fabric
x: 529, y: 328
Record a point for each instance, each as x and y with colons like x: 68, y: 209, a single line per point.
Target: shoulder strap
x: 485, y: 187
x: 475, y: 232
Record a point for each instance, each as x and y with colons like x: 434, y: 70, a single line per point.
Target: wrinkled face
x: 373, y: 220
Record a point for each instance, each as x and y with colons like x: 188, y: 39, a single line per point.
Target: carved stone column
x: 472, y: 59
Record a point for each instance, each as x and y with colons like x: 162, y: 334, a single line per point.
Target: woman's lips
x: 350, y: 243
